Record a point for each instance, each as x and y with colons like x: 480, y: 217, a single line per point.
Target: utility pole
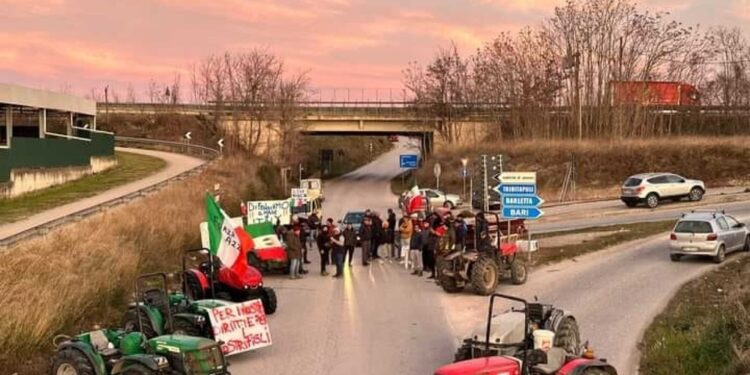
x: 573, y: 61
x: 300, y: 172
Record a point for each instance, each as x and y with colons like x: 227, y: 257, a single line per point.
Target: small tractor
x: 209, y: 281
x: 484, y: 266
x: 518, y: 345
x: 107, y: 351
x: 156, y: 312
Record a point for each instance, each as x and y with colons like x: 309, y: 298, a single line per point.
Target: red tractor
x: 513, y: 351
x: 209, y: 281
x: 485, y: 265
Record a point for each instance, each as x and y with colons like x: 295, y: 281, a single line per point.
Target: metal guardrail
x: 198, y: 150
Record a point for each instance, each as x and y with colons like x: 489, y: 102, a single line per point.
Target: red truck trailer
x: 653, y: 93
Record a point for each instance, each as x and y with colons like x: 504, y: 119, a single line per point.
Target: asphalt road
x: 176, y: 164
x: 380, y: 320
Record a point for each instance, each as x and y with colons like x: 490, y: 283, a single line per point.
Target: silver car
x: 707, y: 233
x: 438, y: 198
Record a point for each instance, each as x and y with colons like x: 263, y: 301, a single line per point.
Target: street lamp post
x: 464, y: 163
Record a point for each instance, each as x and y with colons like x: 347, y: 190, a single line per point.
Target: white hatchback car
x: 650, y: 188
x: 708, y: 233
x: 438, y: 198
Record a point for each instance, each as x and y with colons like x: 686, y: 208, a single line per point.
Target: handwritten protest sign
x: 268, y: 211
x: 241, y: 327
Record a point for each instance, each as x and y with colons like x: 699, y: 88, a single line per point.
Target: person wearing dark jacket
x: 350, y: 241
x: 337, y: 242
x: 392, y: 231
x: 425, y: 241
x: 461, y: 232
x: 324, y: 247
x: 293, y: 252
x: 365, y: 237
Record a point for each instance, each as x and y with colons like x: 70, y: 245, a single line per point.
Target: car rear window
x: 633, y: 182
x: 693, y: 226
x: 354, y: 218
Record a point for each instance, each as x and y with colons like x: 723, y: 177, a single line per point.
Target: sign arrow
x: 522, y: 200
x: 517, y: 189
x: 220, y: 143
x: 522, y: 213
x: 526, y: 178
x: 188, y: 136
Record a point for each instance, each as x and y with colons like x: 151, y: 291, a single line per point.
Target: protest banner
x: 241, y: 327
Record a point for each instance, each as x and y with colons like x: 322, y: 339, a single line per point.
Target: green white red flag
x: 229, y: 242
x: 267, y: 244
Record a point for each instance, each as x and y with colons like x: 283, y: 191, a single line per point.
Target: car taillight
x: 639, y: 189
x: 712, y: 237
x: 672, y: 236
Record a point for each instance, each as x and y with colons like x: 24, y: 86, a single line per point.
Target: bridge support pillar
x: 70, y: 124
x: 361, y: 124
x: 42, y: 122
x: 8, y: 123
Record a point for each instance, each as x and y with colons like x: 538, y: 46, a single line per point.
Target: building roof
x: 28, y: 97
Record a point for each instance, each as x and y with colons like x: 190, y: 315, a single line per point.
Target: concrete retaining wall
x: 25, y: 180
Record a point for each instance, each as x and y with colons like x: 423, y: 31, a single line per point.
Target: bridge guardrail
x: 195, y: 150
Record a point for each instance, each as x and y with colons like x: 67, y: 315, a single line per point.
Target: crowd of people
x: 416, y: 243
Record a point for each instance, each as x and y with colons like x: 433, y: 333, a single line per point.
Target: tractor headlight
x: 200, y: 319
x: 161, y: 362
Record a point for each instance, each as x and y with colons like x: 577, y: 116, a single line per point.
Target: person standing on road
x: 293, y: 252
x: 426, y: 240
x: 337, y: 242
x: 377, y: 235
x: 461, y: 232
x: 365, y: 237
x: 324, y: 247
x: 392, y: 229
x: 313, y: 221
x: 350, y: 241
x: 405, y: 230
x: 386, y: 244
x: 415, y: 251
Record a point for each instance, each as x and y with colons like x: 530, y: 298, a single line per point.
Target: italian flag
x: 267, y: 244
x: 229, y: 242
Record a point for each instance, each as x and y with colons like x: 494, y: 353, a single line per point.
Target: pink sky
x: 85, y: 44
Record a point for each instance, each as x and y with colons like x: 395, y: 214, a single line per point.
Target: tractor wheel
x: 253, y: 260
x: 225, y: 296
x: 130, y: 323
x: 484, y: 276
x: 595, y: 371
x: 568, y: 337
x: 185, y: 327
x: 269, y: 301
x: 449, y: 283
x: 193, y: 288
x: 463, y: 353
x: 518, y: 272
x: 71, y: 361
x: 137, y: 369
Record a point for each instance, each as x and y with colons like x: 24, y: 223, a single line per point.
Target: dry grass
x: 602, y: 165
x: 83, y: 274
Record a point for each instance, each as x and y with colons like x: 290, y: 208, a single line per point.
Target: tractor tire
x: 518, y: 272
x: 137, y: 369
x: 193, y: 288
x: 568, y: 336
x: 130, y: 323
x: 186, y: 328
x: 270, y: 303
x: 225, y: 296
x: 71, y: 361
x: 595, y: 371
x: 721, y: 254
x: 449, y: 283
x: 485, y: 276
x: 253, y: 260
x: 463, y: 353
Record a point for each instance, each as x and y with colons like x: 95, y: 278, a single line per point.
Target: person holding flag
x: 228, y: 241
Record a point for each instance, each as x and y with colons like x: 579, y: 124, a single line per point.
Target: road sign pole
x: 485, y: 185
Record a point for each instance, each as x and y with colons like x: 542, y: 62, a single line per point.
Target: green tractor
x: 157, y: 312
x: 106, y: 351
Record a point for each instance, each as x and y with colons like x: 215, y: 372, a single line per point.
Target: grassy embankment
x: 350, y: 153
x: 602, y: 165
x: 705, y: 329
x: 81, y: 275
x: 130, y: 167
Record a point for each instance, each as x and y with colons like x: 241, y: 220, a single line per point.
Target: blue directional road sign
x: 522, y: 200
x: 408, y: 161
x: 519, y: 189
x: 510, y: 212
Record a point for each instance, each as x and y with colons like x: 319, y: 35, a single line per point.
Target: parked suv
x: 711, y: 234
x: 650, y: 188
